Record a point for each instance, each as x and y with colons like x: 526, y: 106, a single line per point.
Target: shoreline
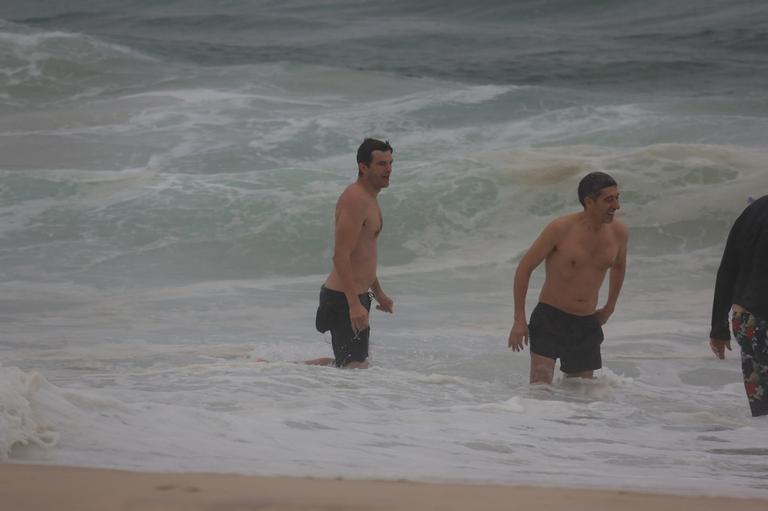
x: 53, y: 487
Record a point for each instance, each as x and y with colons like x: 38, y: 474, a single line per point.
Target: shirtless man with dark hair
x: 345, y: 298
x: 579, y: 249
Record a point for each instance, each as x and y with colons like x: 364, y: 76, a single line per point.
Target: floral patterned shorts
x: 752, y: 336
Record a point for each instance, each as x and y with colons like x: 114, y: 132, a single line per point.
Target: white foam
x: 26, y: 39
x: 440, y: 379
x: 21, y: 422
x: 197, y: 96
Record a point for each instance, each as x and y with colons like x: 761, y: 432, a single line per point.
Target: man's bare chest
x: 373, y: 223
x: 597, y: 252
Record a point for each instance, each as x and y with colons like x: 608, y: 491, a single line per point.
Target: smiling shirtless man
x: 345, y: 298
x: 579, y: 249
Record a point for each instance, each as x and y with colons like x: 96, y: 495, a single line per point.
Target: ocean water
x: 168, y: 173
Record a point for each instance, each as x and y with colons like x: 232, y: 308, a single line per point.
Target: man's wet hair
x: 591, y: 184
x: 369, y: 145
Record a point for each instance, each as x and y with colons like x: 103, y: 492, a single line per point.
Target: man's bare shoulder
x: 555, y: 231
x: 562, y: 224
x: 354, y: 199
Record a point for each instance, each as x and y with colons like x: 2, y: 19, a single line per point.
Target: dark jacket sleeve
x: 726, y: 280
x: 757, y: 294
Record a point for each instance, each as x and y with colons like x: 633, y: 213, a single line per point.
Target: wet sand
x: 43, y: 488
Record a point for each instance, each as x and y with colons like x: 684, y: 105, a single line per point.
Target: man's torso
x: 363, y: 256
x: 576, y: 268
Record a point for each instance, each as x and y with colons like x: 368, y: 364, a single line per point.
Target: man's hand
x: 385, y: 303
x: 518, y: 335
x: 603, y: 315
x: 718, y: 347
x: 358, y: 316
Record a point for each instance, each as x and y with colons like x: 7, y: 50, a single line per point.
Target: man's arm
x: 385, y: 303
x: 541, y: 248
x: 719, y: 335
x: 615, y: 277
x: 724, y: 284
x: 349, y: 224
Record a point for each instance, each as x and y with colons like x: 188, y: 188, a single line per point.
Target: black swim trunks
x: 333, y: 315
x: 575, y: 340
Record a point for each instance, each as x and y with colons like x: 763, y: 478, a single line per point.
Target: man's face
x: 605, y: 205
x: 377, y: 173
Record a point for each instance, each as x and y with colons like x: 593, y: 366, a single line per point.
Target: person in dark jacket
x: 742, y: 287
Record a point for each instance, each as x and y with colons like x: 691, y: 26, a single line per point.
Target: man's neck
x: 592, y: 223
x: 368, y: 187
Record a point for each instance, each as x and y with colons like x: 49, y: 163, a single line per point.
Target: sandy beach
x: 42, y: 488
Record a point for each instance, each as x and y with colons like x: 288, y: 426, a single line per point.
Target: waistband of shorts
x: 561, y: 312
x: 340, y: 294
